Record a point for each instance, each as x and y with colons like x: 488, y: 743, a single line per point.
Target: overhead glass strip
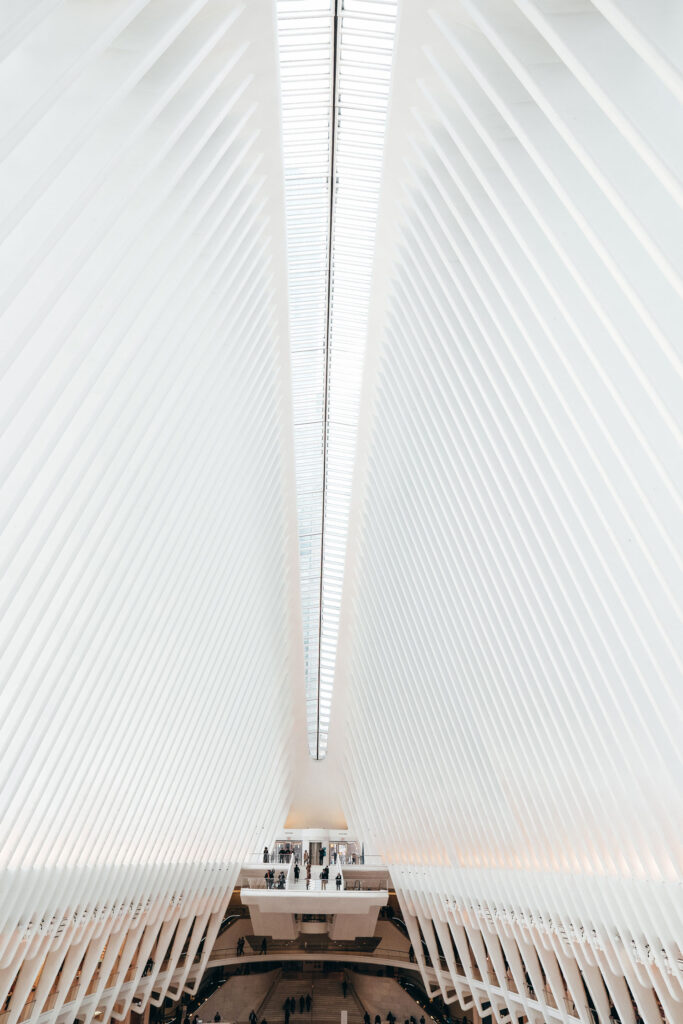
x: 335, y: 71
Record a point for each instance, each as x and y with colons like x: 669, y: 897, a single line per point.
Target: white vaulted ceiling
x: 398, y: 287
x: 510, y: 652
x: 150, y: 608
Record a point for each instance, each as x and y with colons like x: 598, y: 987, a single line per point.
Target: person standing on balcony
x: 308, y: 875
x: 265, y: 854
x: 296, y: 871
x: 338, y: 880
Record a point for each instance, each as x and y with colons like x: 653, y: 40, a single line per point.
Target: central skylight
x: 335, y: 62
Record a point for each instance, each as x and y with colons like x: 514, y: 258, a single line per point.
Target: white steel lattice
x: 150, y: 628
x: 510, y: 650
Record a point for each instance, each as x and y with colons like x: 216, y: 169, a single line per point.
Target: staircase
x: 327, y: 1001
x: 272, y: 1010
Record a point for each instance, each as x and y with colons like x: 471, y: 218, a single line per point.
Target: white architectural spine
x: 511, y: 617
x: 150, y: 626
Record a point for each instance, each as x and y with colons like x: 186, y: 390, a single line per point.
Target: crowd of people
x: 390, y: 1018
x: 285, y: 853
x: 281, y: 882
x: 289, y: 1005
x: 270, y: 879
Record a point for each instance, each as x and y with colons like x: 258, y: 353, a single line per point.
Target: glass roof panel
x: 325, y: 193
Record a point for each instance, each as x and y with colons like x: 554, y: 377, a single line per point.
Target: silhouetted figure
x: 309, y: 1003
x: 265, y: 854
x: 302, y: 1004
x: 378, y: 1019
x: 264, y: 949
x: 338, y: 880
x: 292, y: 1004
x: 217, y: 1016
x: 252, y: 1017
x: 148, y: 968
x: 366, y: 1018
x: 411, y: 954
x: 296, y: 872
x: 344, y: 988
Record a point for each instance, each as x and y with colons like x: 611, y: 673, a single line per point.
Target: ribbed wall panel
x: 150, y: 632
x: 510, y: 653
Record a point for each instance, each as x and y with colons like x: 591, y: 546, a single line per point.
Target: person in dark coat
x: 296, y: 872
x: 265, y: 854
x: 302, y: 1004
x: 217, y: 1016
x: 344, y: 988
x: 366, y: 1018
x: 338, y: 880
x: 292, y: 1004
x: 264, y: 945
x: 309, y: 1003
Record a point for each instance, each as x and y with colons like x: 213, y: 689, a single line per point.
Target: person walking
x: 252, y: 1017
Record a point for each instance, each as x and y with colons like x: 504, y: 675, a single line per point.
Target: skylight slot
x: 334, y: 108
